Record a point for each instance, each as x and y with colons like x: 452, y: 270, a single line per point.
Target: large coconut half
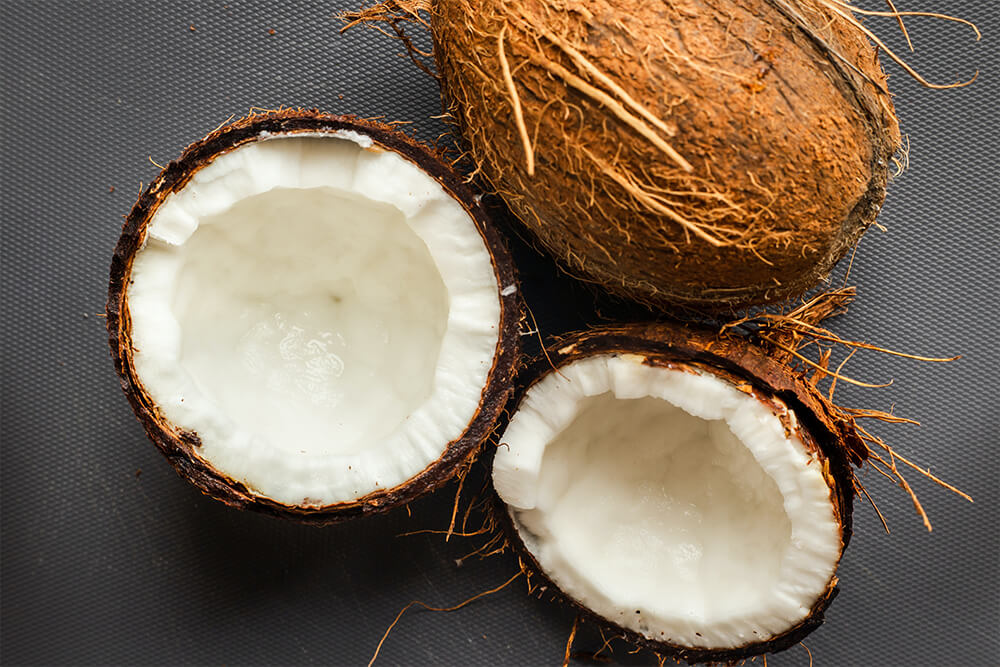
x: 684, y: 490
x: 312, y: 316
x: 713, y: 153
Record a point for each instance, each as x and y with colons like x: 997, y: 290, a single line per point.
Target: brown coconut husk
x: 181, y: 446
x: 706, y: 153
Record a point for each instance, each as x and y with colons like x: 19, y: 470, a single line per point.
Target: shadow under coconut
x: 558, y: 302
x: 249, y: 562
x: 238, y: 547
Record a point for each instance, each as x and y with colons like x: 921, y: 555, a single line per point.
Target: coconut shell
x: 708, y: 153
x: 181, y: 446
x: 819, y: 425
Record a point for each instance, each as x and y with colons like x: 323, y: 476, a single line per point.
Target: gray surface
x: 102, y: 565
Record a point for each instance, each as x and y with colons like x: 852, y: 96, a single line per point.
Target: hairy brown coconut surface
x: 312, y: 316
x: 682, y: 489
x: 713, y: 153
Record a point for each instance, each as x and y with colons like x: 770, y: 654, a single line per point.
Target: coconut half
x: 684, y: 490
x: 312, y: 316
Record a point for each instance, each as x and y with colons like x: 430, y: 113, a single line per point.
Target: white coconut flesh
x: 668, y: 502
x: 319, y: 311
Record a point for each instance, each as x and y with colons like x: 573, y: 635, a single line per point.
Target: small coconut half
x: 312, y: 316
x: 681, y: 489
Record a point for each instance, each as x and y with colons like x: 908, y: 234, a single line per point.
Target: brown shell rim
x: 180, y: 446
x: 741, y: 363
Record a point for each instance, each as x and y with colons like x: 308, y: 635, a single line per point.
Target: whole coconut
x: 711, y: 153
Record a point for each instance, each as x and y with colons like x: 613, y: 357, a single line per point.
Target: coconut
x: 681, y: 489
x: 312, y: 316
x: 698, y: 152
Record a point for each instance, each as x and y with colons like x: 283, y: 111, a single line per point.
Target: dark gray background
x: 103, y: 565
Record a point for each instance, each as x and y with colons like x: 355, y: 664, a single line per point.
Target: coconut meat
x: 668, y: 502
x: 320, y: 312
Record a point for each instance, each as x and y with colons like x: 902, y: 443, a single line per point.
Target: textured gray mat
x: 102, y: 564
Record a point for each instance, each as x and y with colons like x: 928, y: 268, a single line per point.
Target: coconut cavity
x: 669, y: 502
x: 319, y: 312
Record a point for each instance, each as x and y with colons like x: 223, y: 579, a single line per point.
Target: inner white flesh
x: 320, y: 312
x: 669, y: 502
